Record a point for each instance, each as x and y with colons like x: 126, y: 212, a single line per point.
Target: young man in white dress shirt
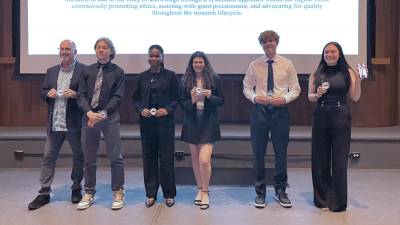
x: 270, y: 84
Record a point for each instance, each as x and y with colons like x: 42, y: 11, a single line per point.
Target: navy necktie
x: 270, y: 84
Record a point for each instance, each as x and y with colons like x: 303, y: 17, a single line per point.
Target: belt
x: 332, y: 104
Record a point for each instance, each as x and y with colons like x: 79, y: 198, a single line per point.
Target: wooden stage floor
x: 373, y: 197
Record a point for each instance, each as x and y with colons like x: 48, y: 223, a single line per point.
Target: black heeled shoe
x: 204, y: 206
x: 197, y: 201
x: 150, y: 202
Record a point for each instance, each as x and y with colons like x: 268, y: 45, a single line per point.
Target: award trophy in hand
x: 200, y: 94
x: 362, y: 71
x: 325, y: 86
x: 153, y: 111
x: 60, y: 93
x: 103, y: 113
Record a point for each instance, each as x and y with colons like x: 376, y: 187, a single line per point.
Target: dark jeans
x: 110, y: 128
x: 331, y: 136
x: 53, y: 145
x: 158, y: 145
x: 263, y: 121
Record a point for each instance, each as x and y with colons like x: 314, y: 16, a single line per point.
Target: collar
x: 162, y: 69
x: 274, y: 59
x: 106, y: 65
x: 70, y: 67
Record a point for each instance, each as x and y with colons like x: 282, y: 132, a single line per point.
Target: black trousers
x: 158, y: 146
x: 331, y: 136
x: 263, y: 121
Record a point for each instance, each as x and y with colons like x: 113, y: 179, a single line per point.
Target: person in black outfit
x: 200, y: 94
x: 64, y: 122
x: 155, y: 99
x: 100, y: 93
x: 329, y: 86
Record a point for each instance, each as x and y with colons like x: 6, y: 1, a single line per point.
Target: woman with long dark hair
x: 200, y: 95
x: 155, y: 100
x: 331, y: 84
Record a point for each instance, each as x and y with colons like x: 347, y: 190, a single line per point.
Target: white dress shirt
x: 286, y: 84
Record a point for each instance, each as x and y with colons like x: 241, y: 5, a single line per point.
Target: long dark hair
x: 160, y: 49
x: 189, y: 78
x: 342, y: 66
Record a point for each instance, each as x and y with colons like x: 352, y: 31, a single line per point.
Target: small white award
x: 153, y: 111
x: 103, y: 113
x: 60, y: 93
x: 325, y: 85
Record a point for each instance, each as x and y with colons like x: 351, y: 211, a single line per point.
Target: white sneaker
x: 87, y: 200
x: 118, y: 199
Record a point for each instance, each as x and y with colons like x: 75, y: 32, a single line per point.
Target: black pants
x: 263, y: 121
x: 158, y: 146
x: 331, y: 136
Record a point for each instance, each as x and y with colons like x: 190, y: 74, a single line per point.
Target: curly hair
x: 265, y: 35
x: 189, y: 78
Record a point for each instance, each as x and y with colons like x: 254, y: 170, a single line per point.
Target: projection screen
x: 227, y: 30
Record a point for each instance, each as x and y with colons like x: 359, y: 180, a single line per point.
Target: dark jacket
x: 112, y: 88
x: 210, y: 104
x: 168, y: 93
x: 74, y: 114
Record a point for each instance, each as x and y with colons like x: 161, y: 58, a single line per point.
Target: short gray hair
x: 72, y: 43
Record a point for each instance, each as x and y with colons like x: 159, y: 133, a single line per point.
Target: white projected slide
x: 227, y: 30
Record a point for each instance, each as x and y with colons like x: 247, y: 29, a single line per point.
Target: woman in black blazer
x: 155, y: 100
x: 200, y: 94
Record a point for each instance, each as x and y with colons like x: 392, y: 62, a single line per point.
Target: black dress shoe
x: 339, y: 209
x: 39, y: 201
x: 170, y: 202
x: 150, y: 202
x: 76, y: 196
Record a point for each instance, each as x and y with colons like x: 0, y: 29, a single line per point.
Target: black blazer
x: 74, y: 114
x: 210, y: 104
x: 168, y: 94
x: 112, y: 88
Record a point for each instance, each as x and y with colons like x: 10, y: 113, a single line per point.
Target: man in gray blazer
x: 64, y: 122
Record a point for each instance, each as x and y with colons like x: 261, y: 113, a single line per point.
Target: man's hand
x: 69, y: 93
x: 262, y: 100
x: 277, y: 101
x: 52, y: 93
x: 93, y: 118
